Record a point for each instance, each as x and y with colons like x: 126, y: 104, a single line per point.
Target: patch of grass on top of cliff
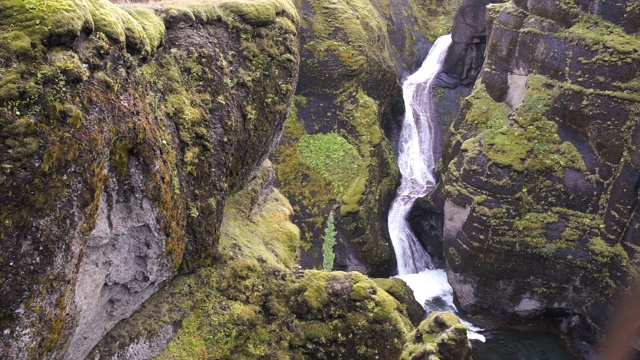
x: 29, y: 28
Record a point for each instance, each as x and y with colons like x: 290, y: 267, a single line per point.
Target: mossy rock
x: 439, y: 336
x: 402, y: 292
x: 90, y: 88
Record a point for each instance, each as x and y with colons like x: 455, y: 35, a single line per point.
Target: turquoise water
x: 521, y: 345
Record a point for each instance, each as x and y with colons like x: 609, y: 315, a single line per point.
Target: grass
x: 332, y: 156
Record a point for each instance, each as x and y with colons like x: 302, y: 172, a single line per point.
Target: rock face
x: 466, y: 54
x: 336, y: 154
x: 121, y: 134
x: 540, y: 171
x: 252, y: 303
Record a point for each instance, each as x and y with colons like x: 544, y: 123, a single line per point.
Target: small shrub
x: 329, y: 240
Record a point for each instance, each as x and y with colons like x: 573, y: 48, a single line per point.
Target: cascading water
x: 430, y: 286
x: 415, y: 159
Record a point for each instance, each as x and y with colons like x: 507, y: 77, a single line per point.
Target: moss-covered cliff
x: 541, y: 171
x: 335, y: 154
x: 122, y: 131
x: 254, y: 303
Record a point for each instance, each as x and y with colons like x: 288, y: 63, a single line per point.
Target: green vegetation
x: 484, y: 112
x: 530, y: 142
x: 332, y: 156
x: 364, y: 35
x: 604, y: 36
x: 532, y: 227
x: 439, y: 336
x: 252, y: 302
x: 261, y: 12
x: 316, y: 169
x: 329, y: 240
x: 435, y: 17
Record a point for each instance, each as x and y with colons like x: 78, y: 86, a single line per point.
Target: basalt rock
x: 122, y: 131
x: 540, y: 171
x: 467, y: 51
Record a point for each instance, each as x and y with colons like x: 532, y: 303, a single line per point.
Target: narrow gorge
x: 319, y: 179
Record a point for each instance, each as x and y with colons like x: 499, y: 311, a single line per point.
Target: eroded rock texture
x: 122, y: 131
x: 540, y: 170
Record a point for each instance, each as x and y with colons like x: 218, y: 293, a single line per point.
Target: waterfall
x: 417, y: 162
x: 415, y: 159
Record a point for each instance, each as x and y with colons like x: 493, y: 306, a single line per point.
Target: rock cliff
x: 540, y: 170
x: 123, y: 131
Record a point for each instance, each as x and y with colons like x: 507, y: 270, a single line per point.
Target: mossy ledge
x: 253, y: 302
x: 440, y: 336
x: 101, y: 104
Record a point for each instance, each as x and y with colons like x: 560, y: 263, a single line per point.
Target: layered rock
x: 336, y: 154
x: 541, y: 172
x: 122, y: 133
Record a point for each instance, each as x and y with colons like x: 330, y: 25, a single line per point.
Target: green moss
x: 268, y: 236
x: 152, y: 27
x: 435, y: 17
x: 532, y: 226
x: 484, y: 112
x: 315, y: 295
x: 531, y: 142
x: 332, y: 156
x: 15, y: 43
x: 362, y: 113
x: 439, y: 336
x: 506, y: 147
x: 335, y: 168
x: 363, y: 28
x: 263, y: 11
x: 353, y: 195
x: 602, y: 35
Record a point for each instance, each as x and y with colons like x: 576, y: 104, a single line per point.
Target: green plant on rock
x: 332, y: 156
x: 328, y: 241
